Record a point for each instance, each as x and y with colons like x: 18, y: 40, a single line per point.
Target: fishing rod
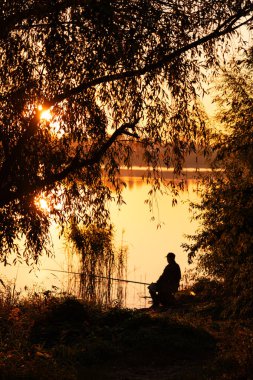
x: 97, y: 276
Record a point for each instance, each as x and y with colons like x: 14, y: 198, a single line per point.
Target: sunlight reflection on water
x: 147, y: 244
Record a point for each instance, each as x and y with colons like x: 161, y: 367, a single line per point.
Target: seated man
x: 162, y: 292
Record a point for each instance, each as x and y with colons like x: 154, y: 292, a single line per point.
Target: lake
x: 147, y: 244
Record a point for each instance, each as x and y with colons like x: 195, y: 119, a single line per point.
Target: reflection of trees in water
x: 186, y: 183
x: 99, y: 262
x: 132, y: 182
x: 133, y: 178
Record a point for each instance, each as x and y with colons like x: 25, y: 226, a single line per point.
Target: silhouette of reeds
x: 99, y: 263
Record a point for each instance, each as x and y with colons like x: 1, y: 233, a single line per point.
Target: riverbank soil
x: 67, y: 339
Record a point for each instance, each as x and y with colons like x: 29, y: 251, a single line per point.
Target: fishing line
x: 97, y: 276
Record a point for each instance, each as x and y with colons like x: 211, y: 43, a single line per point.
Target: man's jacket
x: 170, y: 278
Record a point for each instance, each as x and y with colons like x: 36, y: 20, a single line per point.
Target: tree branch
x: 96, y: 157
x: 7, y: 196
x: 226, y: 27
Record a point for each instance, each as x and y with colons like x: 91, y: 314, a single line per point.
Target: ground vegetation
x: 46, y: 336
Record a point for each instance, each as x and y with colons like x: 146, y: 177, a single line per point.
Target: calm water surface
x: 146, y: 242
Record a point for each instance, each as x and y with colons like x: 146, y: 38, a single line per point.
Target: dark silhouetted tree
x: 109, y: 72
x: 224, y: 245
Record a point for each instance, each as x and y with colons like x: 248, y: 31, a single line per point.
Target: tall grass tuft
x: 100, y: 263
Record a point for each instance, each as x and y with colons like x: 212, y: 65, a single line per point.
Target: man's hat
x: 171, y: 255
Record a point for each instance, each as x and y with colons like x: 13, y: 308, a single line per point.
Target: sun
x: 42, y: 203
x: 49, y: 203
x: 45, y: 114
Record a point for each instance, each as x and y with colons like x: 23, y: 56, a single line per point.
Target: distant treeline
x: 192, y: 160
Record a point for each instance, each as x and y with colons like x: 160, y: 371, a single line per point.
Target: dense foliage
x: 106, y: 72
x: 225, y: 242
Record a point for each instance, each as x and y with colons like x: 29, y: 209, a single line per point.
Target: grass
x: 46, y: 337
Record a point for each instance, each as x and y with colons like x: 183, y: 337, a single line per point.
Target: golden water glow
x: 147, y: 244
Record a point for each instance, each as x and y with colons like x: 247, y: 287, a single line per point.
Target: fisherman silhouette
x: 163, y: 291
